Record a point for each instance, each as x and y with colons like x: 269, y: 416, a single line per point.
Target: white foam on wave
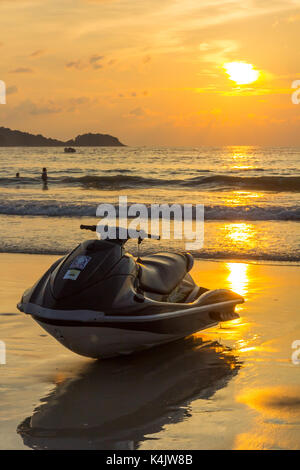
x: 23, y: 207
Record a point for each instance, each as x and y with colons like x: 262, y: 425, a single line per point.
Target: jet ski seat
x: 161, y: 273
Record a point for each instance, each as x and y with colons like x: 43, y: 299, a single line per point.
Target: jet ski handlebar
x: 141, y: 236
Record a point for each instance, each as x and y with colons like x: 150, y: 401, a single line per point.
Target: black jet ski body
x: 99, y: 301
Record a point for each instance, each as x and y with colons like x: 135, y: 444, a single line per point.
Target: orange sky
x: 151, y: 71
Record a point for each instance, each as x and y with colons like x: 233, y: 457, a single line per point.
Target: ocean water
x: 250, y: 195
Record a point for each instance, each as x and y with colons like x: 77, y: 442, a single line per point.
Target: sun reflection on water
x: 236, y: 198
x: 242, y: 158
x: 241, y: 232
x: 241, y: 237
x: 244, y: 152
x: 238, y: 277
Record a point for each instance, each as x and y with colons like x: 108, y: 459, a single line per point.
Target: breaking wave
x: 209, y: 254
x: 122, y: 181
x: 212, y: 212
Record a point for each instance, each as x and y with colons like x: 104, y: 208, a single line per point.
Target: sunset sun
x: 241, y: 73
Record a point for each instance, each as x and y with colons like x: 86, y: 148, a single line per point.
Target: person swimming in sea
x: 45, y: 178
x: 44, y: 175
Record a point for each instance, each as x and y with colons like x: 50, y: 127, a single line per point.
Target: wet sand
x: 232, y: 387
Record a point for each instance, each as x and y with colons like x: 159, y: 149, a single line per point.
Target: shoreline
x: 292, y: 263
x: 261, y: 242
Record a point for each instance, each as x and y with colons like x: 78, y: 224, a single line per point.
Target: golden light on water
x: 278, y: 401
x: 236, y: 198
x: 240, y: 153
x: 240, y: 234
x: 238, y: 277
x: 243, y: 167
x: 241, y: 72
x: 274, y: 405
x: 242, y: 158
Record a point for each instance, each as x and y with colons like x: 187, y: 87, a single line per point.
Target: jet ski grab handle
x: 143, y: 235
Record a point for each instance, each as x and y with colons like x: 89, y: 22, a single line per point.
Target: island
x: 13, y: 138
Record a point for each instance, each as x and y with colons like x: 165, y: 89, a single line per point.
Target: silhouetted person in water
x: 45, y: 178
x: 17, y: 175
x: 44, y: 175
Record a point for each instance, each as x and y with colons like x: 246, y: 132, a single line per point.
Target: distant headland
x: 11, y: 138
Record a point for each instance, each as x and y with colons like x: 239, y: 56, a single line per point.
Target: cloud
x: 37, y: 53
x: 95, y: 58
x: 133, y: 94
x: 35, y: 110
x: 163, y: 26
x: 93, y: 61
x: 80, y: 100
x: 146, y: 59
x: 11, y: 90
x: 28, y: 108
x: 97, y: 66
x: 76, y: 64
x: 22, y: 70
x: 140, y: 112
x: 218, y: 51
x: 73, y: 104
x: 137, y: 112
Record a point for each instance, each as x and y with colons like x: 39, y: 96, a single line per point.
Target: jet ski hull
x: 101, y: 336
x: 103, y: 342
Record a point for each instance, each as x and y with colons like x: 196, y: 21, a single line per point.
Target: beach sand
x: 231, y: 387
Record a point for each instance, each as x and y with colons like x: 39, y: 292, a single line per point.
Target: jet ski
x: 99, y: 301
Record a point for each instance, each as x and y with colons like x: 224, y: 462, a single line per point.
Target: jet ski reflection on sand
x: 117, y: 404
x: 99, y: 301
